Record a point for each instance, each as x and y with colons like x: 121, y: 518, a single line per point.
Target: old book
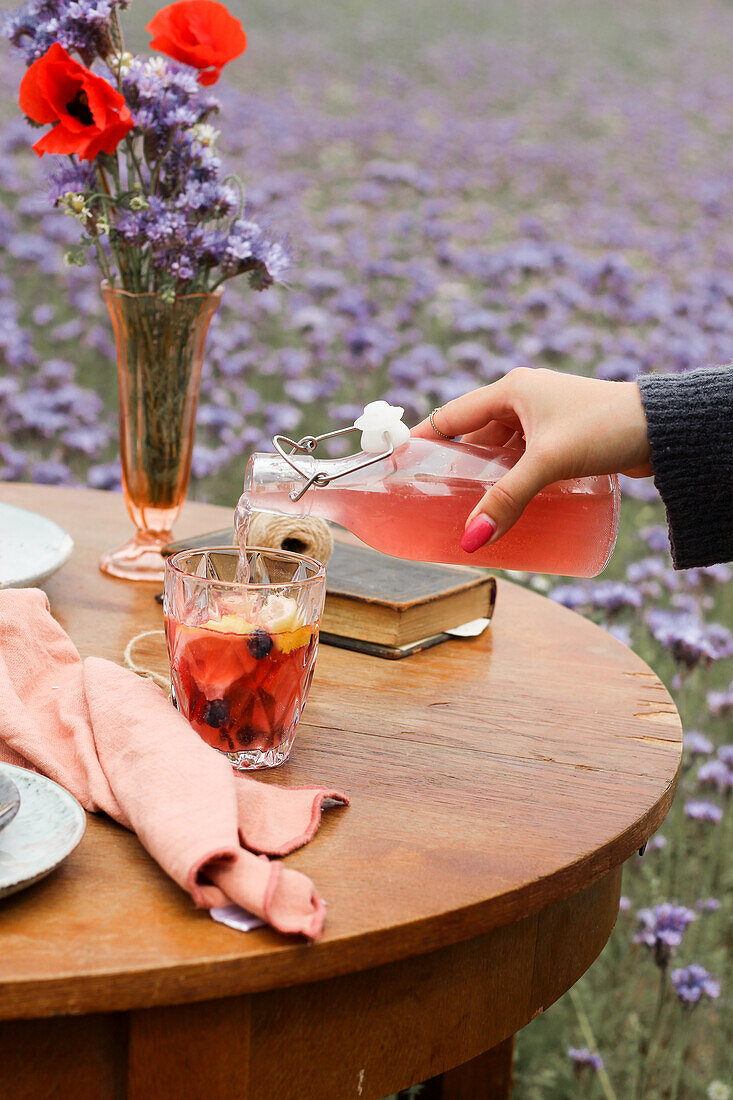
x: 392, y: 602
x: 388, y: 602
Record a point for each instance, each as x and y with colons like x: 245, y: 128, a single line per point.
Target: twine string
x: 141, y: 670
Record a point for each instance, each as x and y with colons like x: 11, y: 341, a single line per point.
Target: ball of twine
x: 307, y: 535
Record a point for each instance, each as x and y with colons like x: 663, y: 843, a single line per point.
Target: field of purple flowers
x: 466, y: 190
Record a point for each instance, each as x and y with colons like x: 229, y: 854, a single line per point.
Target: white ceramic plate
x: 31, y: 547
x: 9, y: 799
x: 48, y: 826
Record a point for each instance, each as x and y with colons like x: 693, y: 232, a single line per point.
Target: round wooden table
x: 498, y: 785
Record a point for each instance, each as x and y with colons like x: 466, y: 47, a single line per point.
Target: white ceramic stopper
x: 380, y: 417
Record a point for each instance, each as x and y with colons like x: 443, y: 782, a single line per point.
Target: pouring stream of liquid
x: 242, y: 520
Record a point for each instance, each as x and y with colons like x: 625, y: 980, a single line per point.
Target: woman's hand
x: 567, y: 425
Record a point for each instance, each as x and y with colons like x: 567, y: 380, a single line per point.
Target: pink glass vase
x: 160, y: 348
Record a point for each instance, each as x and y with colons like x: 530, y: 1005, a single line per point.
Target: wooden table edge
x: 109, y: 990
x: 291, y: 964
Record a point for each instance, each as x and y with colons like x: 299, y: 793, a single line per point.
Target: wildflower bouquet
x: 139, y: 169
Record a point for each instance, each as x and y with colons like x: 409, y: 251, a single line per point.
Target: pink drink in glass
x: 241, y: 690
x: 242, y: 652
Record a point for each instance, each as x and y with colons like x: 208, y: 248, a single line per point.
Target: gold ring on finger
x: 437, y: 430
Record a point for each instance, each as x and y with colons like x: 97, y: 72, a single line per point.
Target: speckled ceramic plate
x: 48, y: 826
x: 9, y: 799
x: 32, y: 547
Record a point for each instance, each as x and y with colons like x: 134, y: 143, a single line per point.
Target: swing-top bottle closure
x: 382, y: 430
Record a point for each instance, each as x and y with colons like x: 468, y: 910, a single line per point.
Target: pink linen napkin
x: 115, y: 742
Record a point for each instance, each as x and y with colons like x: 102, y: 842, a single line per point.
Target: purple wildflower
x: 708, y: 576
x: 81, y: 26
x: 584, y: 1059
x: 661, y: 928
x: 621, y: 632
x: 725, y: 753
x: 618, y: 368
x: 700, y: 810
x: 613, y: 596
x: 720, y: 703
x: 57, y: 370
x: 155, y: 224
x: 405, y: 173
x: 43, y: 314
x: 707, y: 905
x: 645, y: 569
x: 52, y: 473
x: 572, y: 596
x: 638, y: 488
x: 87, y: 439
x: 688, y: 638
x: 656, y: 538
x: 715, y: 773
x: 624, y: 904
x: 12, y: 463
x: 105, y: 476
x: 165, y: 97
x: 207, y: 199
x: 685, y: 601
x: 693, y: 982
x: 697, y: 744
x: 67, y: 177
x: 369, y: 343
x: 246, y: 249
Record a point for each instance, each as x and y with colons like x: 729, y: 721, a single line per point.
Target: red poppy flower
x: 200, y: 33
x: 91, y: 116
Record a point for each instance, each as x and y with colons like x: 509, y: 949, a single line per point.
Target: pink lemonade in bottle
x: 414, y: 504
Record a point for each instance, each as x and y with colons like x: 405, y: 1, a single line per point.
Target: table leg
x: 196, y: 1051
x: 488, y: 1077
x: 62, y: 1057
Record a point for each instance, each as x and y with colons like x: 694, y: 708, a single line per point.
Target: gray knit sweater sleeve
x: 690, y: 418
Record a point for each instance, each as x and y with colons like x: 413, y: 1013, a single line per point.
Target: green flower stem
x: 117, y: 253
x: 684, y: 1048
x: 590, y: 1042
x: 102, y: 260
x: 132, y: 155
x: 159, y: 164
x: 238, y: 184
x: 720, y: 849
x: 116, y: 32
x: 653, y: 1036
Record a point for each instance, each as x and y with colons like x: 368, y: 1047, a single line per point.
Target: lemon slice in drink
x: 230, y: 624
x: 279, y: 614
x: 289, y: 640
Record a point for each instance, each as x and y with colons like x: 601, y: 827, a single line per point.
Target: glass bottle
x: 413, y: 503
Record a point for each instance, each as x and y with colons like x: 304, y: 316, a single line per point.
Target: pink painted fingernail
x: 478, y: 533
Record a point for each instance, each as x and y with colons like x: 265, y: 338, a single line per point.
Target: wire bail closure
x: 309, y: 444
